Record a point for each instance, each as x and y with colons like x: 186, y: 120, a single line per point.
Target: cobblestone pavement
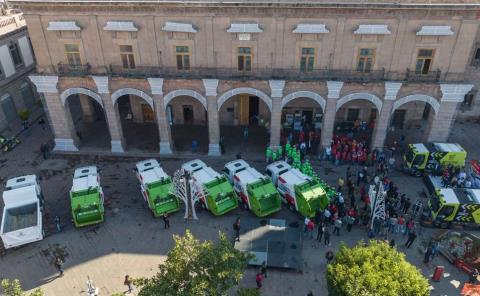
x: 132, y: 242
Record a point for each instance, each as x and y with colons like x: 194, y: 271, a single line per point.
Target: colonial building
x: 16, y: 62
x: 160, y: 66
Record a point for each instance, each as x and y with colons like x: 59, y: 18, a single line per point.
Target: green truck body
x: 86, y: 197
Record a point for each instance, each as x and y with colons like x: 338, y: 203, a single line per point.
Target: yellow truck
x: 453, y: 205
x: 432, y: 156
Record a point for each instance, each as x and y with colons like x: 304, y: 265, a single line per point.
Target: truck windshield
x: 409, y: 156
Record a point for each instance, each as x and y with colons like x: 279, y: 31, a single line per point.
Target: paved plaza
x: 132, y: 242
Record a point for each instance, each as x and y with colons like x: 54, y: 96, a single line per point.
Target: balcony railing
x: 259, y: 74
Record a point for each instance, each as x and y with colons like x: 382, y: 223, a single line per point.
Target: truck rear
x: 156, y: 188
x: 257, y: 192
x: 218, y: 195
x: 86, y: 197
x: 23, y: 211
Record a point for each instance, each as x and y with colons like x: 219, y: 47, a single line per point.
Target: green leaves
x: 376, y: 269
x: 196, y: 268
x: 13, y: 288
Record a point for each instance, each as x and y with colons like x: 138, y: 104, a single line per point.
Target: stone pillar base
x: 214, y: 150
x: 165, y: 148
x: 117, y: 146
x: 64, y: 145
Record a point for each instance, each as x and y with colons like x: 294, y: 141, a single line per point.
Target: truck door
x: 446, y: 213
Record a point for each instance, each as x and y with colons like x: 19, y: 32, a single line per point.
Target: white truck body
x: 233, y: 167
x: 193, y: 165
x: 147, y: 172
x: 85, y: 178
x: 286, y: 185
x: 242, y: 179
x: 22, y: 214
x: 200, y: 174
x: 277, y: 168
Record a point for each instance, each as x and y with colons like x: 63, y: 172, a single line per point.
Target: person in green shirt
x: 268, y: 154
x: 274, y: 156
x: 280, y: 152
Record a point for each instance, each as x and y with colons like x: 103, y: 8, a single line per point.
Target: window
x: 244, y: 59
x: 307, y: 59
x: 424, y: 61
x: 15, y: 53
x: 126, y: 53
x: 73, y: 54
x: 366, y: 59
x: 183, y: 57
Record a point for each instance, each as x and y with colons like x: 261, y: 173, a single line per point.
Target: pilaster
x: 210, y: 86
x: 156, y: 86
x: 276, y: 93
x: 62, y: 125
x: 334, y: 89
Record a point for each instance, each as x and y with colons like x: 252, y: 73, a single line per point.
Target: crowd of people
x: 454, y: 177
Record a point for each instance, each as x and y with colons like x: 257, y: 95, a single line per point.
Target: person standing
x: 263, y: 269
x: 327, y: 236
x: 128, y: 282
x: 427, y: 255
x: 337, y: 226
x: 305, y: 226
x: 329, y: 256
x: 411, y: 238
x: 41, y: 122
x: 341, y: 182
x: 400, y: 225
x: 350, y: 222
x: 406, y: 205
x: 166, y: 221
x: 59, y: 265
x: 310, y: 228
x: 236, y: 229
x: 320, y: 231
x: 259, y: 279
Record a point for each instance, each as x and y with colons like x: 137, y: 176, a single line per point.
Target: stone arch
x: 245, y: 90
x: 417, y: 97
x: 360, y: 96
x: 79, y: 90
x: 304, y: 94
x: 184, y: 92
x: 132, y: 91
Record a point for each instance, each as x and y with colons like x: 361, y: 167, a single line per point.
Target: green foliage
x: 248, y: 292
x: 24, y: 114
x: 196, y: 268
x: 371, y: 270
x: 13, y: 288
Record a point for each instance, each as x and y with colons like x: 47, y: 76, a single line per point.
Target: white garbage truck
x: 23, y: 211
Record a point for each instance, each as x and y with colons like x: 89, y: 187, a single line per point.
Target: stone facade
x: 332, y: 41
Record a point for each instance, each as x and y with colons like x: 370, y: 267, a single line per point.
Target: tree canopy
x: 14, y: 288
x: 196, y: 268
x: 376, y: 269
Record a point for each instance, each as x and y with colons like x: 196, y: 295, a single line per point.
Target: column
x: 382, y: 122
x: 334, y: 88
x: 440, y: 126
x: 276, y: 93
x: 210, y: 86
x: 113, y: 119
x: 156, y: 86
x: 62, y: 125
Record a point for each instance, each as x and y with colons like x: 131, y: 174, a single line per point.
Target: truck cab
x: 275, y: 169
x: 86, y: 197
x: 257, y: 192
x: 453, y: 205
x: 22, y: 220
x: 218, y: 195
x: 156, y: 188
x: 233, y: 167
x: 433, y: 156
x: 302, y: 193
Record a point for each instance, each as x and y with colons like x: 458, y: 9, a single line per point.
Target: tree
x: 13, y: 288
x: 376, y: 269
x: 248, y: 292
x: 196, y: 268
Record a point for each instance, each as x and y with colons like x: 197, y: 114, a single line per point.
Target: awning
x: 311, y: 29
x: 244, y: 28
x: 372, y: 30
x: 435, y: 31
x: 126, y: 26
x: 179, y: 27
x: 63, y: 26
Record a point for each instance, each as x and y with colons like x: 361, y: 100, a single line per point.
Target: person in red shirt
x: 259, y: 279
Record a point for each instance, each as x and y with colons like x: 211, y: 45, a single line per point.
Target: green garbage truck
x: 156, y: 188
x: 256, y: 192
x: 217, y: 194
x: 299, y: 192
x: 86, y: 197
